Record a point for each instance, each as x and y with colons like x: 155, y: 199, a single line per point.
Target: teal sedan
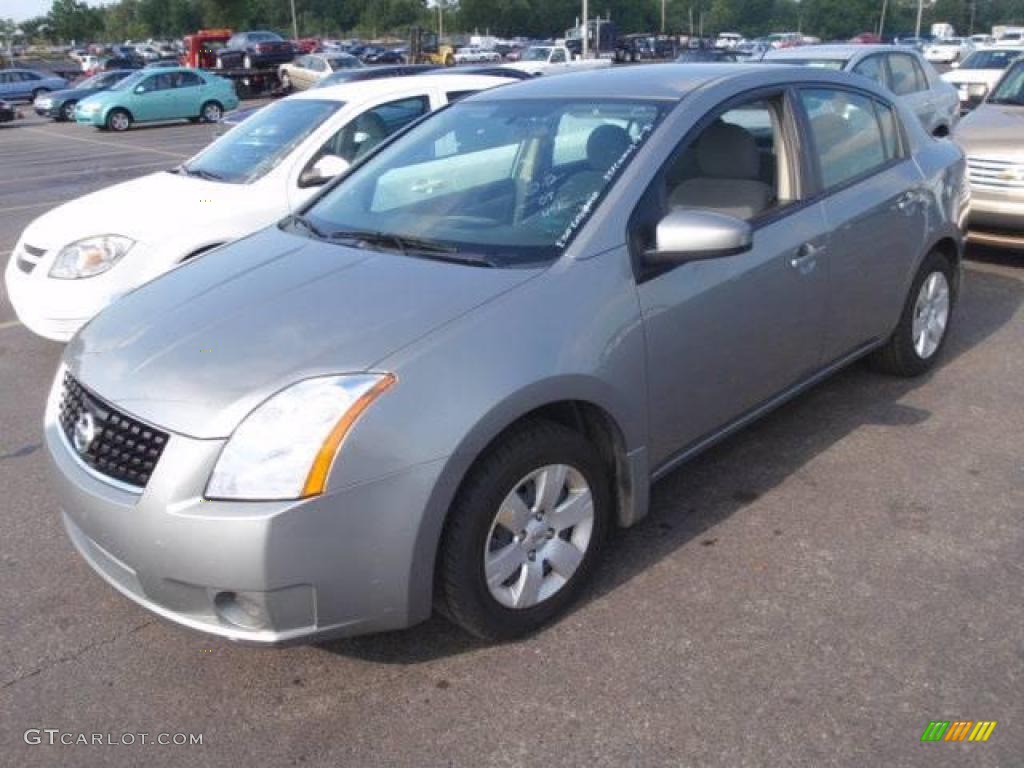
x: 177, y: 93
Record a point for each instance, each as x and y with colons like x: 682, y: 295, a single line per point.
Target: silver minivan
x: 448, y: 378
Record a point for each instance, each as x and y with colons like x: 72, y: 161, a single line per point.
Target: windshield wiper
x: 200, y: 173
x: 306, y: 224
x: 416, y: 246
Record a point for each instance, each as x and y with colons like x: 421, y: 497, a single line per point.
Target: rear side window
x: 453, y: 96
x: 188, y: 80
x: 848, y: 137
x: 872, y: 67
x: 890, y: 131
x: 904, y: 75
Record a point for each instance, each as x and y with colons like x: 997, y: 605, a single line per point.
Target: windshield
x: 536, y: 54
x: 131, y: 81
x: 1011, y: 88
x: 344, y: 62
x: 989, y: 59
x: 261, y: 142
x: 510, y: 182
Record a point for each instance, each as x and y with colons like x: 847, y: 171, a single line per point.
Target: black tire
x: 462, y: 592
x: 114, y: 121
x: 67, y: 111
x: 211, y: 112
x: 286, y: 82
x: 899, y: 357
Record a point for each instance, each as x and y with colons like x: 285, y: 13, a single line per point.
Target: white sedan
x: 76, y: 259
x: 948, y: 50
x: 473, y: 55
x: 976, y: 75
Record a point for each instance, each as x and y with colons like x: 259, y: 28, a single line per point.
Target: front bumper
x: 256, y: 572
x: 996, y: 218
x: 57, y: 309
x: 89, y: 118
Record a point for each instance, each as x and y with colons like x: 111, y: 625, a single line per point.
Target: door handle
x: 905, y: 201
x: 804, y: 259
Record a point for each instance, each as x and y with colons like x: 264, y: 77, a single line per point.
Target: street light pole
x: 584, y: 50
x: 295, y: 22
x: 663, y: 17
x: 920, y: 12
x: 881, y: 21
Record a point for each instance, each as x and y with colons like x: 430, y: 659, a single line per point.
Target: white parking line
x: 108, y: 144
x: 29, y: 207
x: 92, y: 171
x: 9, y: 324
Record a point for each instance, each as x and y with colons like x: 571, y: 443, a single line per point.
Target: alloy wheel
x: 539, y: 536
x: 931, y: 315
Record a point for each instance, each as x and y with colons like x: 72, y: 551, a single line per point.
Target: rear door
x: 907, y: 80
x: 187, y: 94
x: 153, y: 98
x: 874, y: 202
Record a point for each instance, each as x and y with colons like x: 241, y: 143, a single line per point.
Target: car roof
x: 646, y: 81
x: 366, y: 89
x: 834, y: 51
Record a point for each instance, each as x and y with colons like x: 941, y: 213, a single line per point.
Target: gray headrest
x: 728, y: 151
x: 605, y: 145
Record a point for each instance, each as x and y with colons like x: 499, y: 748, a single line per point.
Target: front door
x: 727, y: 334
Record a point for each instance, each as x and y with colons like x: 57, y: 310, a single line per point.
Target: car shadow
x: 692, y: 500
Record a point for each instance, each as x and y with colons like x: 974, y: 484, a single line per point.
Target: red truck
x: 201, y: 52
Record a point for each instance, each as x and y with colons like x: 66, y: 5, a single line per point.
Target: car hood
x: 994, y: 129
x: 147, y: 209
x: 196, y: 350
x: 73, y: 93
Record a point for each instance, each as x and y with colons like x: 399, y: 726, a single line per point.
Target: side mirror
x: 140, y: 89
x: 323, y: 170
x: 955, y: 65
x: 694, y: 235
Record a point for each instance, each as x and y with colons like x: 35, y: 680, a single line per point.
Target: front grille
x: 110, y: 442
x: 28, y: 257
x: 995, y: 173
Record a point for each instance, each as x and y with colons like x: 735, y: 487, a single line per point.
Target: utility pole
x: 440, y: 20
x: 295, y: 22
x: 920, y: 12
x: 585, y: 44
x: 881, y: 21
x: 663, y: 17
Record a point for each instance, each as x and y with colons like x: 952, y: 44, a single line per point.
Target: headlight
x: 91, y: 256
x: 88, y: 108
x: 977, y: 90
x: 284, y: 448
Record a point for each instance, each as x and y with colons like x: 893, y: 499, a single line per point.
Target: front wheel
x: 119, y: 120
x: 67, y: 111
x: 924, y: 324
x: 286, y: 82
x: 524, y: 533
x: 39, y: 92
x: 211, y: 112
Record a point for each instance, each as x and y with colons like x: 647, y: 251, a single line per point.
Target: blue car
x: 27, y: 84
x: 60, y: 105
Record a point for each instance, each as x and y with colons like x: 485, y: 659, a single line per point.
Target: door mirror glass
x: 140, y: 89
x: 323, y: 170
x: 693, y: 235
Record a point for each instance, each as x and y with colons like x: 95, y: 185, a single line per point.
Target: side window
x: 890, y: 131
x: 317, y: 65
x: 558, y: 56
x: 872, y: 67
x: 367, y: 130
x: 151, y: 84
x: 188, y: 80
x: 739, y: 165
x: 453, y: 96
x: 904, y: 75
x: 848, y: 138
x: 923, y: 83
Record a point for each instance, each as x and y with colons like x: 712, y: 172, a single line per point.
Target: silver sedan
x: 450, y: 377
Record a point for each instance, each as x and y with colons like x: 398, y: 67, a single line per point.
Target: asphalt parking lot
x: 812, y: 592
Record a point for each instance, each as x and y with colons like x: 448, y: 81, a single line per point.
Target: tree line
x: 828, y: 19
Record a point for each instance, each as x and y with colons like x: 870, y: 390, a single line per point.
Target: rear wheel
x: 119, y: 120
x: 524, y: 533
x: 39, y: 92
x: 211, y: 112
x: 924, y: 324
x: 67, y: 110
x: 286, y: 82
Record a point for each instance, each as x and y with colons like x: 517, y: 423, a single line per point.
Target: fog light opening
x: 239, y: 610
